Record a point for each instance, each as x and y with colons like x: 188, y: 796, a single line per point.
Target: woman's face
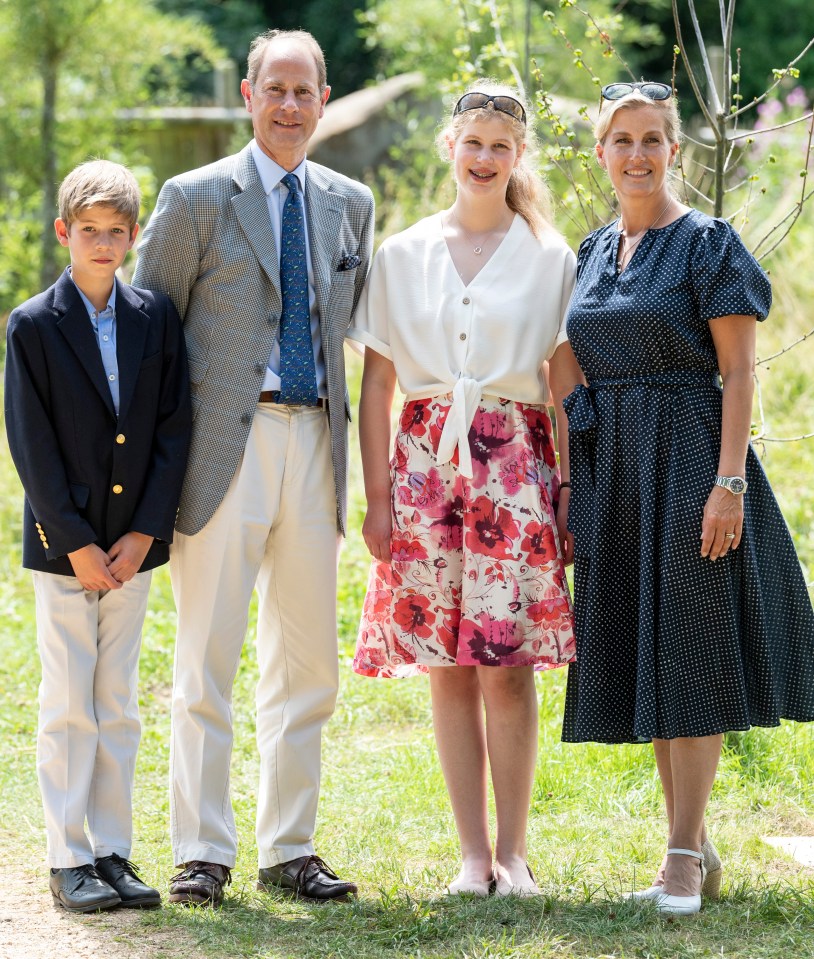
x: 636, y: 152
x: 484, y: 155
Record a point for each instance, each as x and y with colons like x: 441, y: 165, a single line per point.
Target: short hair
x: 633, y: 101
x: 258, y: 47
x: 99, y: 183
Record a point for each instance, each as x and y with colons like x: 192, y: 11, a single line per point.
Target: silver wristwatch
x: 735, y: 484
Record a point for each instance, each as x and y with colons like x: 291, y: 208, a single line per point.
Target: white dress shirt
x: 490, y: 337
x: 271, y: 175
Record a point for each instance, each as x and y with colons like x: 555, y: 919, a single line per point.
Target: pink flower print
x: 490, y: 642
x: 489, y: 434
x: 414, y: 616
x: 437, y: 427
x: 542, y: 441
x: 539, y: 544
x: 518, y: 472
x: 447, y: 630
x: 405, y: 549
x: 426, y: 488
x: 399, y: 460
x: 414, y: 418
x: 495, y: 573
x: 549, y: 610
x: 492, y: 529
x: 446, y: 528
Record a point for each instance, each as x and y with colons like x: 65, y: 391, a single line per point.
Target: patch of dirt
x: 33, y: 927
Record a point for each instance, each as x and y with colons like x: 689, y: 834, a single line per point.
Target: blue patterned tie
x: 298, y: 378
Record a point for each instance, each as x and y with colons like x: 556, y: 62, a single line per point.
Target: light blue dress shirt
x: 104, y: 327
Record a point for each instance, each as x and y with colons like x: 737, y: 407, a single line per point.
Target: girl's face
x: 636, y: 152
x: 484, y: 155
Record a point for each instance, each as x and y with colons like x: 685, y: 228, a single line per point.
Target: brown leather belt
x: 273, y: 396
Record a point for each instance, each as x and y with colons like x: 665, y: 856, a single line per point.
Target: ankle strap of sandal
x: 686, y: 852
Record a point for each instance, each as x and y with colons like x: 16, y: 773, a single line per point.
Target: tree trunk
x: 48, y: 125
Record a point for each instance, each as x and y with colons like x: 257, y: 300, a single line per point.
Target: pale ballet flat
x: 524, y: 890
x: 682, y: 905
x: 471, y: 887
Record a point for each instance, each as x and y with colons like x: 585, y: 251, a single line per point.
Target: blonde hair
x: 527, y: 192
x: 258, y: 47
x: 634, y: 101
x: 99, y: 183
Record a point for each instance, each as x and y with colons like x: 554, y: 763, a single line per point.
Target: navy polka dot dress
x: 670, y: 644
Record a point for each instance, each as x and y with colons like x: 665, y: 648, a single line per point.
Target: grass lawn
x: 596, y: 825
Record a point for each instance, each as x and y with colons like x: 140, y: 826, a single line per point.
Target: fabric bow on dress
x: 581, y: 412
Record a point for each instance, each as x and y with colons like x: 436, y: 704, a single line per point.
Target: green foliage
x: 68, y: 67
x: 332, y: 22
x: 454, y: 41
x: 415, y: 181
x: 423, y: 35
x: 235, y: 23
x: 787, y: 24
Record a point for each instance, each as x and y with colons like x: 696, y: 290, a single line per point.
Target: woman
x: 468, y: 583
x: 692, y: 614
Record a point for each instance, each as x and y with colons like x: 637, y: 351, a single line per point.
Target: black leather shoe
x: 82, y: 889
x: 306, y: 878
x: 200, y: 884
x: 121, y: 874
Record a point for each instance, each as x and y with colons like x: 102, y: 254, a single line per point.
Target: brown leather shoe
x: 306, y: 878
x: 200, y: 884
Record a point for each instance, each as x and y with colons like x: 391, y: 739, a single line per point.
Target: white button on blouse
x: 488, y: 338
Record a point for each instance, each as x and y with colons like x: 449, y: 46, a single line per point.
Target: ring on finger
x: 729, y: 535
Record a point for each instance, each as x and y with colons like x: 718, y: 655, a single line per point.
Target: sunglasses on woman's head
x: 648, y: 88
x: 476, y: 101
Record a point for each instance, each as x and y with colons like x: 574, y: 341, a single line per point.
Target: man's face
x: 286, y: 103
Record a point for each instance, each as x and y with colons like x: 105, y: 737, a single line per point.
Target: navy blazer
x: 88, y: 475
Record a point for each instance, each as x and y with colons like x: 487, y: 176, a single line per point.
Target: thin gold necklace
x: 477, y: 248
x: 627, y: 251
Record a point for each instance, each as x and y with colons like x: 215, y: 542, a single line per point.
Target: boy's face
x: 98, y: 239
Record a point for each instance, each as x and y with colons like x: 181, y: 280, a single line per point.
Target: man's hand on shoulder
x: 90, y: 565
x: 127, y: 554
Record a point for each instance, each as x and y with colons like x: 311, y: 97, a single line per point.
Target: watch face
x: 737, y: 485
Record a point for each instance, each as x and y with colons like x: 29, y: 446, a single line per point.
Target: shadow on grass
x: 770, y: 921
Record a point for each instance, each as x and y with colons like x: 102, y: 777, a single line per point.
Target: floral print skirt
x: 477, y: 577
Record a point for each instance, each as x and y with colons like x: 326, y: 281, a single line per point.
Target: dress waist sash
x: 581, y: 412
x: 667, y: 378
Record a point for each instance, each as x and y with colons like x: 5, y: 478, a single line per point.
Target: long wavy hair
x: 527, y: 192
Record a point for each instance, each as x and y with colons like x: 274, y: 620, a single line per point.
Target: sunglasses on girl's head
x: 649, y: 88
x: 476, y: 101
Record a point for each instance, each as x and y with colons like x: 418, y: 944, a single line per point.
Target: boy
x: 98, y: 420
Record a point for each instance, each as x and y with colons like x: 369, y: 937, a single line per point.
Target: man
x: 266, y: 291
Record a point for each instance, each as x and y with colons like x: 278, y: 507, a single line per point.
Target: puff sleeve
x: 726, y: 278
x: 370, y: 325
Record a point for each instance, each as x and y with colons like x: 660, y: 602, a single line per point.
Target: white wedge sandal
x: 682, y: 905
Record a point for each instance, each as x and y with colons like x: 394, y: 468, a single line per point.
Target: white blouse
x: 490, y: 337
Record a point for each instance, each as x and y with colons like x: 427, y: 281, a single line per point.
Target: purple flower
x: 797, y: 98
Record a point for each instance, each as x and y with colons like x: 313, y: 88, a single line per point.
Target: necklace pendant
x: 478, y: 250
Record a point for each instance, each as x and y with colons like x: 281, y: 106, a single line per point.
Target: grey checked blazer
x: 209, y: 245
